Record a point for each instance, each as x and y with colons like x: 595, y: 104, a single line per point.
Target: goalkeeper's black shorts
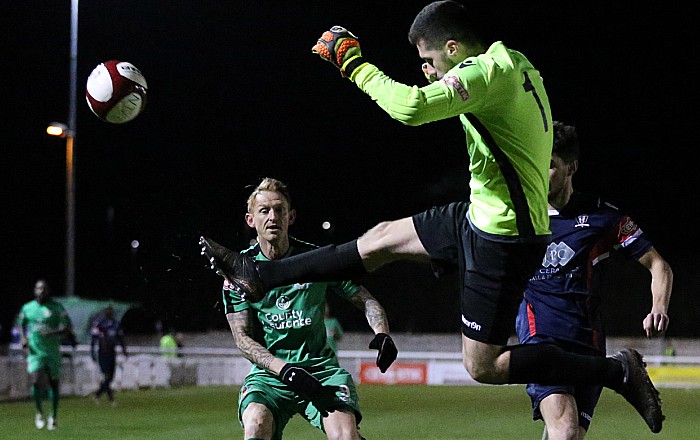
x: 493, y: 274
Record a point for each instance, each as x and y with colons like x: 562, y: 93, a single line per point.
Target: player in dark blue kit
x: 559, y: 305
x: 107, y: 333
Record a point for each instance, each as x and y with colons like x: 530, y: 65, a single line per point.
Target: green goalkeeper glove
x: 341, y: 48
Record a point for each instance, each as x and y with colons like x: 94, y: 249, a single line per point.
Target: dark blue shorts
x: 494, y: 273
x: 586, y: 396
x: 107, y: 362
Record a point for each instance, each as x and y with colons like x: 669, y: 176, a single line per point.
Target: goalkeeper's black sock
x: 328, y: 263
x: 548, y: 364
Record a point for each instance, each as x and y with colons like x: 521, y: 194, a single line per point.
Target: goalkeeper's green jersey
x: 502, y: 104
x: 35, y: 318
x: 291, y: 317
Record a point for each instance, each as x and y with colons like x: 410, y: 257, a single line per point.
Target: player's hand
x: 429, y: 73
x: 303, y: 383
x: 655, y: 324
x: 387, y: 350
x: 341, y: 48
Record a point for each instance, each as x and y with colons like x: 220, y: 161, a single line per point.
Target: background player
x: 334, y: 330
x: 283, y: 334
x: 560, y: 306
x: 106, y: 333
x: 44, y: 321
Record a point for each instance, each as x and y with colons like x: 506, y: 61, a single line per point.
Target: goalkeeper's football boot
x: 239, y: 270
x: 638, y: 390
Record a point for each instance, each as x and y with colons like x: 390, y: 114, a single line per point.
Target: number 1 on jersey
x: 529, y: 87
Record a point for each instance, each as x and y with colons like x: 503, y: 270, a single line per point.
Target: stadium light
x: 57, y: 129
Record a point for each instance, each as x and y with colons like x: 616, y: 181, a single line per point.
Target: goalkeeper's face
x: 271, y: 216
x: 439, y: 60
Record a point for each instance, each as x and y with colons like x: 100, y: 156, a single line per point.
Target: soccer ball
x: 116, y: 91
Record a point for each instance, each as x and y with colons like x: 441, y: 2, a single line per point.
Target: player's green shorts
x: 52, y: 364
x: 267, y: 389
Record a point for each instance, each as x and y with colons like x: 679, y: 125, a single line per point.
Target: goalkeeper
x: 496, y: 239
x: 283, y: 334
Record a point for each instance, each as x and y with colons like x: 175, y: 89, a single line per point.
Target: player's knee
x: 257, y: 421
x: 341, y: 425
x: 564, y: 431
x: 482, y: 372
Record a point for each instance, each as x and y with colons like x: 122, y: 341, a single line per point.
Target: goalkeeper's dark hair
x: 566, y: 144
x: 269, y: 184
x: 441, y: 21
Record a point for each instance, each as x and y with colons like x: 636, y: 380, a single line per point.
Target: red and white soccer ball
x: 116, y: 91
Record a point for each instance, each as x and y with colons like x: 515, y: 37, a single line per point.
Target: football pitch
x: 390, y: 412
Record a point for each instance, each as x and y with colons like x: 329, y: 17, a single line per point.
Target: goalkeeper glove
x: 301, y: 382
x: 431, y: 77
x: 341, y: 48
x: 387, y: 350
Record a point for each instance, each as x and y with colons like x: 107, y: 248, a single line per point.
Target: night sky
x: 235, y: 95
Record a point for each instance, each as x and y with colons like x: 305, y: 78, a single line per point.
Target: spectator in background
x: 168, y: 344
x: 334, y: 331
x: 43, y: 322
x: 106, y: 333
x: 180, y: 341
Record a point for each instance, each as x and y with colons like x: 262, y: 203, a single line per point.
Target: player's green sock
x: 37, y: 394
x: 54, y: 396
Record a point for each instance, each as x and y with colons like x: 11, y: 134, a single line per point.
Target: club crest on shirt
x: 456, y: 84
x: 628, y: 227
x: 581, y: 221
x: 282, y: 303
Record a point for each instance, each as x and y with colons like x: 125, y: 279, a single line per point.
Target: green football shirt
x: 291, y: 318
x: 502, y: 104
x: 37, y: 318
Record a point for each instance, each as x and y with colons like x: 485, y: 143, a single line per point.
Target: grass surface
x: 390, y: 412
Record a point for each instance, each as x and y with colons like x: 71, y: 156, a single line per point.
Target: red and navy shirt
x: 559, y: 301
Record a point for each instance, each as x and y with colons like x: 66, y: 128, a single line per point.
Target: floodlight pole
x: 70, y: 154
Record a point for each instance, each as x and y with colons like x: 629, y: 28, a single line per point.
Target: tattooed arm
x: 374, y: 312
x: 241, y: 330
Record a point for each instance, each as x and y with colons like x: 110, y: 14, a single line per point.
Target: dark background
x: 235, y: 95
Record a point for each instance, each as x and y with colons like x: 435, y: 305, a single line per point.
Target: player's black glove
x: 387, y: 350
x: 301, y: 382
x: 341, y: 48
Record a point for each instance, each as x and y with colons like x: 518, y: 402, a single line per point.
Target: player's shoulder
x: 252, y: 251
x: 55, y: 304
x: 582, y: 202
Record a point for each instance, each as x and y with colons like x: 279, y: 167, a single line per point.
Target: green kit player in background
x: 43, y: 322
x: 498, y: 238
x: 283, y: 334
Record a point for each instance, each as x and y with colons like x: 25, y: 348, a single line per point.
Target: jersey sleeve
x: 460, y: 91
x: 345, y: 289
x: 631, y: 237
x: 232, y: 300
